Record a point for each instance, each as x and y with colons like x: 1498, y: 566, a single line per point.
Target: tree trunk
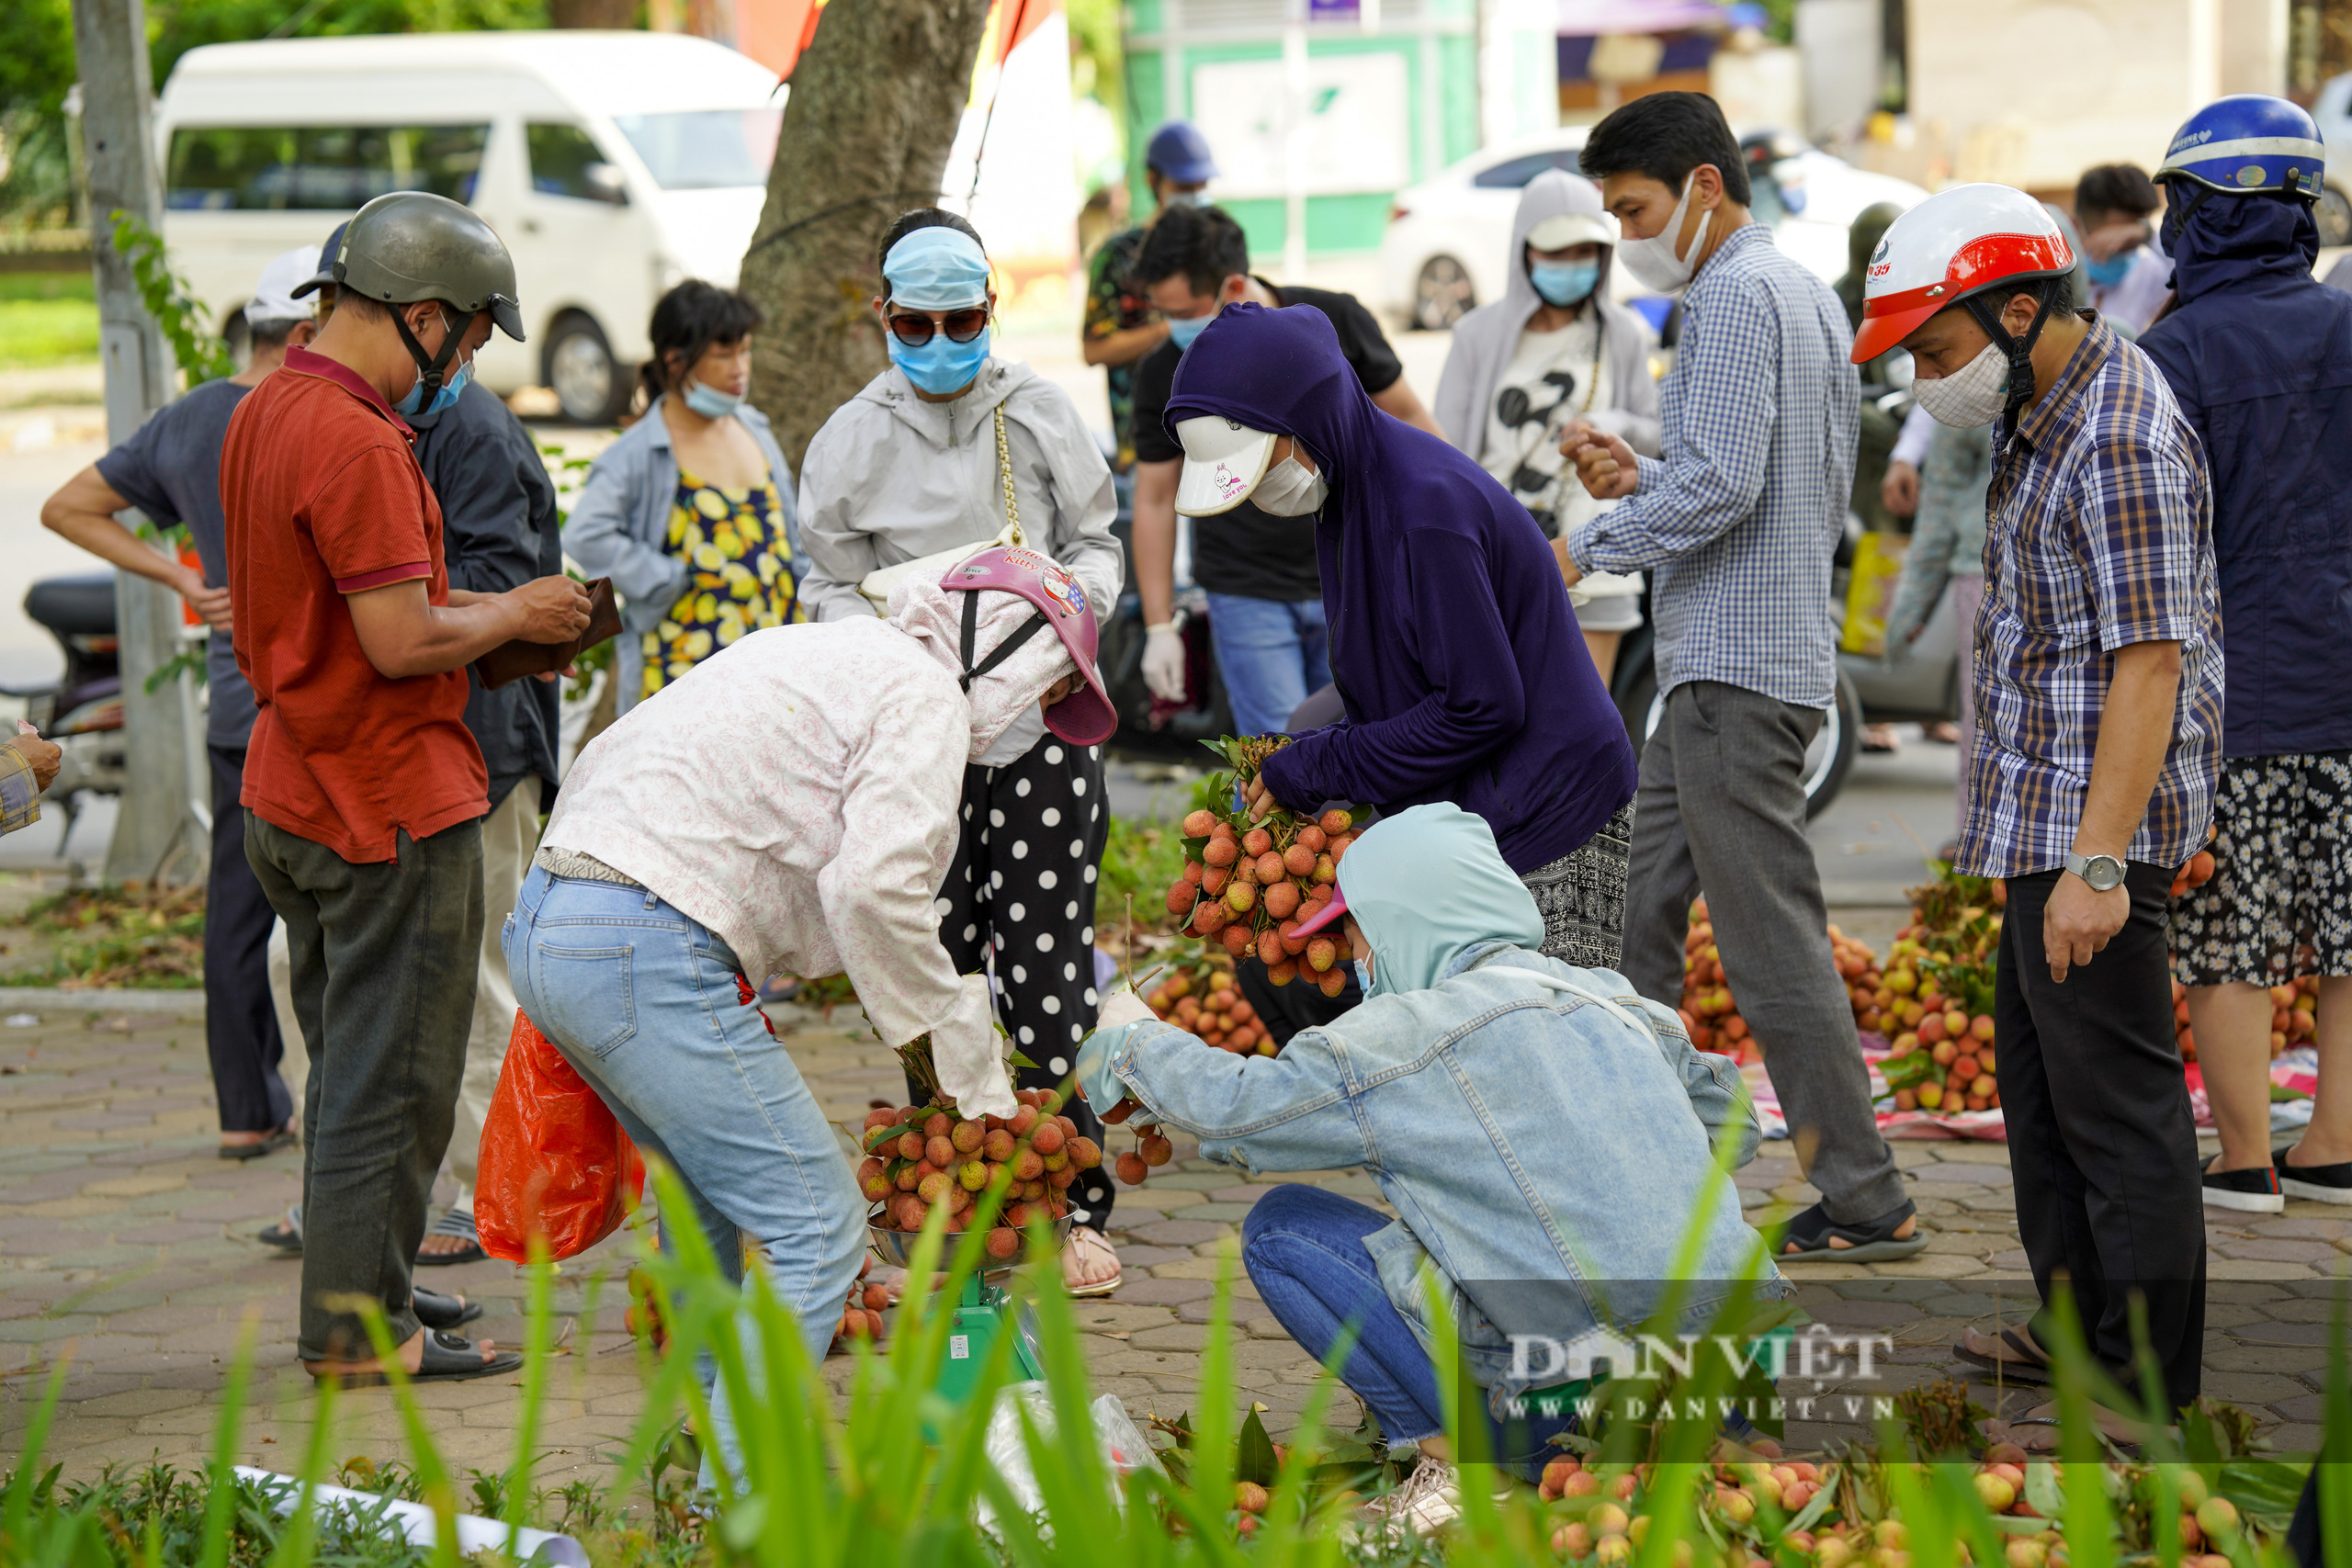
x: 621, y: 13
x: 874, y: 110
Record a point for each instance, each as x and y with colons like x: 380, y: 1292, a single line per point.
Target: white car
x: 1448, y: 236
x: 613, y: 165
x: 2333, y: 109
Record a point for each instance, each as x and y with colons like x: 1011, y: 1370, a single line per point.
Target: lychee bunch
x: 921, y: 1155
x: 1251, y: 886
x: 862, y: 1315
x: 1198, y: 994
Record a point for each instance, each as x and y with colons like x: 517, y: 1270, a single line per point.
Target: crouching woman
x: 1544, y: 1135
x: 790, y: 805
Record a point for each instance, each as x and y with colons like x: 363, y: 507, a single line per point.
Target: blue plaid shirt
x: 1739, y: 520
x: 2099, y: 535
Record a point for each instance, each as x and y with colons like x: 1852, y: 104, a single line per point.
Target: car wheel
x: 591, y: 384
x: 1443, y: 295
x: 2334, y: 215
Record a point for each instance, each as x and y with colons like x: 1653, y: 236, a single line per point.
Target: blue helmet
x: 1178, y: 153
x: 2248, y: 144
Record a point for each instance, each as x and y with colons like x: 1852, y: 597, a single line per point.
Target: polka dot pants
x: 1021, y: 894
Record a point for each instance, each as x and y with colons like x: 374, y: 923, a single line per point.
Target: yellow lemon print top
x: 739, y: 575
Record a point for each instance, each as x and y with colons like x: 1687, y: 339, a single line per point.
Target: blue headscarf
x: 1427, y: 884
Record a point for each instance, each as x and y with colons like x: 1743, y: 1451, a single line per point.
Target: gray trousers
x: 1721, y: 807
x: 384, y: 958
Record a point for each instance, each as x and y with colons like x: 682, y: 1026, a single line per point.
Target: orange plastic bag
x: 554, y: 1161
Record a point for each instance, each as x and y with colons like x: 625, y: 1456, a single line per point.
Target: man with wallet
x: 364, y: 791
x: 500, y: 530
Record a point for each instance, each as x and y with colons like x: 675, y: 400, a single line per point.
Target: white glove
x: 1164, y: 662
x: 1123, y: 1006
x: 967, y: 1056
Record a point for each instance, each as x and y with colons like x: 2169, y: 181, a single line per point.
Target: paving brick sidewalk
x: 125, y: 1239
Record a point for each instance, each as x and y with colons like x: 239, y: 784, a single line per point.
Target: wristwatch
x: 2104, y: 873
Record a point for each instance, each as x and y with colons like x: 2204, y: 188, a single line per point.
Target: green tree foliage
x: 37, y: 66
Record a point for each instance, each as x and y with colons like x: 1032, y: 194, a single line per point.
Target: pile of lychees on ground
x: 1251, y: 885
x: 919, y: 1155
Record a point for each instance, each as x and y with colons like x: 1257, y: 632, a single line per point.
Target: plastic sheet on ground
x: 1983, y: 1125
x: 1122, y: 1444
x: 2297, y: 1070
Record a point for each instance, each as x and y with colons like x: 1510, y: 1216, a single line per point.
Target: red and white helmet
x: 1957, y: 242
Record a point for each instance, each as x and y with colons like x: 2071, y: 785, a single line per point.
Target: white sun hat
x: 1223, y: 463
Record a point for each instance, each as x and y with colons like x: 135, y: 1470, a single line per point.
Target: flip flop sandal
x: 2033, y: 1372
x: 277, y: 1139
x: 437, y: 1311
x: 457, y: 1223
x: 1872, y: 1242
x: 285, y: 1236
x: 449, y: 1358
x: 1100, y: 1286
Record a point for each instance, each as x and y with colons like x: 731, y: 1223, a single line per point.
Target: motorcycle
x: 82, y: 709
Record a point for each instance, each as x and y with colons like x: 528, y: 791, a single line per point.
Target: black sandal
x: 287, y: 1234
x: 274, y: 1140
x: 458, y: 1222
x: 435, y: 1310
x: 2033, y: 1371
x: 448, y: 1358
x: 1873, y: 1241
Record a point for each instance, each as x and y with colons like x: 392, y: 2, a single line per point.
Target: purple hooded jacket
x: 1452, y: 643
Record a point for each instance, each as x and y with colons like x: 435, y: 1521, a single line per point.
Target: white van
x: 614, y: 164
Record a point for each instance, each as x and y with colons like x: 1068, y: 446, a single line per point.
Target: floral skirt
x: 1582, y: 897
x: 2279, y: 904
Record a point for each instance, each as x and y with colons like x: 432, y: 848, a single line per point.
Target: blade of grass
x: 2335, y: 1485
x: 300, y: 1542
x: 432, y: 1474
x: 221, y: 1506
x: 534, y: 1389
x: 26, y: 1483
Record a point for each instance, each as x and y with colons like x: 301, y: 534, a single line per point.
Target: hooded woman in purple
x: 1452, y: 643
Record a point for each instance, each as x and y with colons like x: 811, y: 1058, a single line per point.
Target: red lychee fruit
x: 968, y: 1137
x: 1028, y: 1164
x: 940, y: 1151
x: 1242, y: 897
x: 1335, y: 822
x: 1221, y: 851
x: 999, y: 1144
x: 1181, y: 893
x: 873, y: 1181
x: 880, y: 1116
x: 1200, y: 824
x: 1004, y: 1242
x: 1024, y: 1122
x: 1299, y: 861
x: 1333, y: 982
x: 1272, y: 868
x: 1283, y: 974
x: 1236, y: 939
x: 1257, y: 841
x: 939, y: 1125
x: 1321, y: 953
x: 1270, y: 943
x: 1085, y: 1153
x: 1283, y: 899
x: 1047, y: 1139
x: 1131, y: 1170
x: 908, y: 1175
x: 1215, y: 881
x: 1156, y: 1148
x: 1211, y: 917
x: 911, y: 1145
x: 1311, y: 838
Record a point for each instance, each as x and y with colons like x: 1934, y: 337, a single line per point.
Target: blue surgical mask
x: 1188, y: 198
x: 1564, y: 283
x: 1363, y: 976
x: 943, y: 364
x: 445, y: 399
x: 708, y: 401
x: 1183, y: 330
x: 2113, y: 270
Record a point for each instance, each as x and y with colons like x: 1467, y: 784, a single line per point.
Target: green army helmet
x: 409, y: 245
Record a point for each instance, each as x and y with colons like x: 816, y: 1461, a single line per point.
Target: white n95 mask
x: 1289, y: 491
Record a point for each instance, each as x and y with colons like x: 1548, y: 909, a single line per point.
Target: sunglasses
x: 961, y: 326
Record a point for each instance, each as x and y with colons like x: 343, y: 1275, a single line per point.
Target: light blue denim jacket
x: 1520, y: 1134
x: 620, y: 528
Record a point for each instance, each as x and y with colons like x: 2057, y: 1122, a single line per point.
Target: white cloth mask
x: 1289, y: 491
x: 1655, y: 260
x: 1975, y: 394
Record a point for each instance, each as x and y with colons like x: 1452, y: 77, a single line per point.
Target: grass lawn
x: 46, y: 318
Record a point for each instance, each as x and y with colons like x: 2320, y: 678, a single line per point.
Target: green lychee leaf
x: 1253, y: 1457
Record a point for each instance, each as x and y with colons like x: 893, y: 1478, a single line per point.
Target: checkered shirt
x: 19, y: 795
x: 1739, y: 520
x: 2099, y: 534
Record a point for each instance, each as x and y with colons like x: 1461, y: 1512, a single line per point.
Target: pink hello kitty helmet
x: 1085, y: 717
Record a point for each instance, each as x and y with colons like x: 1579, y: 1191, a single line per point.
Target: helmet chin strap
x: 432, y: 370
x: 1987, y: 308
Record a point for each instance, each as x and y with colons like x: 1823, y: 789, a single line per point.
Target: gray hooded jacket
x: 1486, y: 339
x: 890, y: 477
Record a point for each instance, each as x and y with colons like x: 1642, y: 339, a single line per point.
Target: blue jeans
x: 642, y: 1000
x: 1271, y: 653
x: 1303, y: 1248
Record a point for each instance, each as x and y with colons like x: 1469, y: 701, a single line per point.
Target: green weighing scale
x: 984, y: 1311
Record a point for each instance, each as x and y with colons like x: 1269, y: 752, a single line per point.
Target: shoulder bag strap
x: 1004, y: 472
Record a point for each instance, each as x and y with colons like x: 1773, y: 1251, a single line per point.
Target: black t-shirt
x: 1245, y: 552
x: 171, y: 470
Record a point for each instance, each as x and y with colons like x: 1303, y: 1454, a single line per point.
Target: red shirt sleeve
x: 368, y: 520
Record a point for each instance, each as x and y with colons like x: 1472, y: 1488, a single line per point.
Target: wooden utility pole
x: 874, y: 110
x: 160, y: 811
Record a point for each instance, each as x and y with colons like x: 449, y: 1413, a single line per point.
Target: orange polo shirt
x: 325, y: 499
